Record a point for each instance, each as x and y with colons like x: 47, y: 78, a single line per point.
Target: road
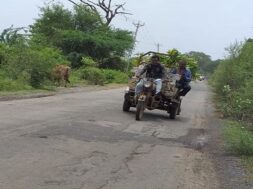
x: 83, y: 140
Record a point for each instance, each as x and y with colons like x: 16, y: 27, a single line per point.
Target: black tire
x: 126, y: 106
x: 173, y: 111
x: 179, y: 108
x: 139, y: 110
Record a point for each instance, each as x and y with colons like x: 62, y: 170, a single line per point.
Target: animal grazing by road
x: 60, y: 74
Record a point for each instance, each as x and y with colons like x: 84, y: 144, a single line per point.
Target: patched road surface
x: 83, y: 140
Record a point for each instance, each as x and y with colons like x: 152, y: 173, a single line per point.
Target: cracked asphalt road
x: 83, y: 140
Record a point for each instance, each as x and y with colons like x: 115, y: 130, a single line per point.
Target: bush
x: 113, y: 76
x: 238, y: 138
x: 75, y: 59
x: 30, y: 63
x: 93, y: 75
x: 98, y: 76
x: 233, y: 83
x: 115, y: 63
x: 37, y: 77
x: 12, y: 85
x: 88, y: 62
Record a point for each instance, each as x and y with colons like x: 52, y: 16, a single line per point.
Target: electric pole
x: 158, y: 45
x: 137, y: 25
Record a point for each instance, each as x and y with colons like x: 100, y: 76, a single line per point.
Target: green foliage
x: 12, y: 35
x: 28, y: 63
x: 113, y: 76
x: 2, y: 53
x: 205, y: 63
x: 171, y: 61
x: 81, y: 31
x: 75, y: 59
x: 93, y: 75
x: 76, y: 79
x: 85, y: 19
x: 238, y: 138
x: 13, y: 85
x: 59, y: 35
x: 233, y: 83
x: 174, y: 57
x: 102, y: 76
x: 52, y: 19
x: 88, y: 62
x: 116, y: 63
x: 248, y: 162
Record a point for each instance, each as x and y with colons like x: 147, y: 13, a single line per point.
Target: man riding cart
x: 160, y: 88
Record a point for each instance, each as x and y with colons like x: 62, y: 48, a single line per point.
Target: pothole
x: 195, y: 138
x: 43, y: 136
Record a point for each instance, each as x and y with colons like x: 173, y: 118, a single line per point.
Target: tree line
x: 81, y: 38
x: 60, y: 36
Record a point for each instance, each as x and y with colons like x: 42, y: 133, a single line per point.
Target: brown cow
x: 60, y: 74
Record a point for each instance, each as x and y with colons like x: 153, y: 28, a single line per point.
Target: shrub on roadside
x: 88, y: 62
x: 30, y: 63
x: 233, y: 83
x: 113, y: 76
x: 13, y: 85
x: 75, y: 59
x: 238, y: 138
x: 93, y: 75
x: 98, y: 76
x: 114, y: 63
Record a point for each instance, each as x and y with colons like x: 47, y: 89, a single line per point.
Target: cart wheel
x: 126, y: 106
x: 139, y: 110
x: 173, y: 110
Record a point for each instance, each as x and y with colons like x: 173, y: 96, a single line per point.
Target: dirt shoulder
x: 230, y: 170
x: 45, y: 93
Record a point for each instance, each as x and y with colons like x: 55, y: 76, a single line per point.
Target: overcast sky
x: 188, y: 25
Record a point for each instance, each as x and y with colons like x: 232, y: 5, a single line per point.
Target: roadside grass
x: 13, y: 85
x: 239, y: 140
x: 10, y: 87
x: 27, y: 92
x: 96, y: 76
x: 248, y: 162
x: 75, y: 80
x: 17, y: 88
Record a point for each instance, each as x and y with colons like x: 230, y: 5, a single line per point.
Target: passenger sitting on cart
x: 140, y: 68
x: 153, y: 70
x: 185, y: 78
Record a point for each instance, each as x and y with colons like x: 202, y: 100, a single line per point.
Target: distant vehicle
x: 201, y: 77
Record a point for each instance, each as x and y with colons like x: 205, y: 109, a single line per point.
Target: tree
x: 110, y: 11
x: 175, y: 56
x: 85, y: 19
x: 81, y: 34
x: 205, y: 63
x: 11, y: 35
x: 52, y: 20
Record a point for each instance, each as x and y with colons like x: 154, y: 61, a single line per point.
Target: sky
x: 207, y: 26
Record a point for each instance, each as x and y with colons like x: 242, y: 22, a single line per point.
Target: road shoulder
x: 230, y: 170
x: 44, y: 93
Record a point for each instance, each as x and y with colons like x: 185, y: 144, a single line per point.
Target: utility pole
x: 138, y: 25
x: 158, y: 45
